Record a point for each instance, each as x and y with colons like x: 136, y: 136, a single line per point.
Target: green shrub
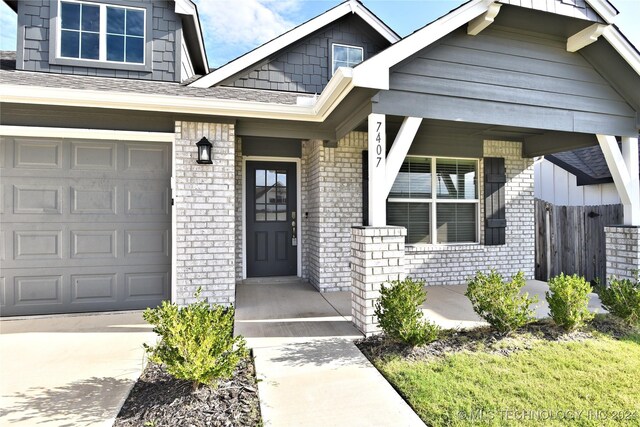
x: 499, y: 302
x: 197, y: 341
x: 568, y: 298
x: 622, y: 299
x: 399, y: 313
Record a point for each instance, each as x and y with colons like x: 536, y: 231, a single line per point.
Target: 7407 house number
x: 378, y: 144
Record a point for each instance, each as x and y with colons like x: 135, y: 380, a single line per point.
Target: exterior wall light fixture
x: 204, y: 151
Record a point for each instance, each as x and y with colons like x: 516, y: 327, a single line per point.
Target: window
x: 102, y: 32
x: 271, y: 195
x: 440, y: 207
x: 345, y: 56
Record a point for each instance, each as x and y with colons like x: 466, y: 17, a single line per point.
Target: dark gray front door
x: 271, y: 219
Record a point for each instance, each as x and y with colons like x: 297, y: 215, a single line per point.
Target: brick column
x: 377, y: 256
x: 205, y: 214
x: 622, y: 251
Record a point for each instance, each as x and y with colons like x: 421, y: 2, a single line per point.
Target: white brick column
x: 622, y: 251
x: 204, y: 208
x: 377, y: 256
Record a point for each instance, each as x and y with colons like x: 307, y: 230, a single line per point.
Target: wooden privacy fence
x: 570, y: 239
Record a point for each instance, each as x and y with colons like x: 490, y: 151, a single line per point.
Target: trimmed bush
x: 197, y: 341
x: 399, y: 313
x: 622, y: 299
x: 500, y: 303
x: 568, y: 298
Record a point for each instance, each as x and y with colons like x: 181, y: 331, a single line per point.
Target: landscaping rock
x: 158, y: 399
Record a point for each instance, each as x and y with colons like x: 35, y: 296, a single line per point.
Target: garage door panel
x: 85, y: 225
x: 148, y: 199
x: 99, y: 199
x: 37, y: 199
x: 143, y: 158
x: 93, y: 288
x: 37, y: 245
x: 101, y: 244
x: 37, y: 154
x: 94, y: 156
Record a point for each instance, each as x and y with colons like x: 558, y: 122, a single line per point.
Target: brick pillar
x: 377, y: 256
x: 622, y: 251
x: 205, y: 214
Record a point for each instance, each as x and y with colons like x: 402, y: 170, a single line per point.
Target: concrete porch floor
x: 312, y: 373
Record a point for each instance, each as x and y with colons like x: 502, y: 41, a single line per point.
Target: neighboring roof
x: 587, y: 164
x: 191, y: 26
x: 374, y: 72
x: 264, y: 51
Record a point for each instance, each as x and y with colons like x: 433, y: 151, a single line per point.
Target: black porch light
x: 204, y: 151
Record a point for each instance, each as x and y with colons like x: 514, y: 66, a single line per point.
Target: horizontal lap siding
x: 507, y: 78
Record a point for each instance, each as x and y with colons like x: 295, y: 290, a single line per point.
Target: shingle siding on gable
x: 306, y: 65
x: 574, y: 8
x: 33, y: 16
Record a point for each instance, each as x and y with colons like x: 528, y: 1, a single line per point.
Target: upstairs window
x: 102, y: 32
x: 345, y: 56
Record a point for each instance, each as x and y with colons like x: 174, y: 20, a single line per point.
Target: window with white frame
x: 345, y: 56
x: 102, y: 32
x: 440, y: 207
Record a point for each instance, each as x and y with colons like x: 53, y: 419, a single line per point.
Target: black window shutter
x: 365, y: 187
x: 494, y: 204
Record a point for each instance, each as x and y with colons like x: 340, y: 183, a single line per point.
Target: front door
x: 271, y: 219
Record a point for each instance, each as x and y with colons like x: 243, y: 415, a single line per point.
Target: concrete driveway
x: 69, y: 370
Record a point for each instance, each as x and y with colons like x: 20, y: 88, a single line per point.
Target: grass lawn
x: 545, y: 382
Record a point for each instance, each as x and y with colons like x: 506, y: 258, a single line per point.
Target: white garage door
x: 84, y: 225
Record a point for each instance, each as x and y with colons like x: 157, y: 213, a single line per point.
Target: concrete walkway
x: 69, y: 370
x: 312, y: 373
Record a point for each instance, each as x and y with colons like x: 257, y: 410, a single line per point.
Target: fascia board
x: 374, y: 72
x: 605, y: 9
x: 623, y: 47
x: 337, y: 89
x: 271, y: 47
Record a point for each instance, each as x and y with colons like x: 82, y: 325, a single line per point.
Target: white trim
x: 111, y: 135
x: 585, y: 37
x: 400, y: 149
x: 298, y: 220
x: 336, y: 90
x: 605, y: 9
x: 623, y: 47
x: 374, y: 72
x: 476, y: 25
x: 377, y: 146
x: 286, y: 39
x: 187, y: 7
x: 174, y: 228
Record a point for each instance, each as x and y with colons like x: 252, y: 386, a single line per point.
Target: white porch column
x: 623, y: 165
x: 377, y: 165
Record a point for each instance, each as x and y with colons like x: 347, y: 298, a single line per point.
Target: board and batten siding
x: 555, y: 185
x: 504, y: 76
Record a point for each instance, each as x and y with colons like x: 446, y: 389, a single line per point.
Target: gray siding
x: 34, y: 24
x: 505, y: 77
x: 306, y: 65
x: 574, y: 8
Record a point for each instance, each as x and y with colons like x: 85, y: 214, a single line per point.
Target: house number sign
x: 379, y: 149
x: 377, y: 166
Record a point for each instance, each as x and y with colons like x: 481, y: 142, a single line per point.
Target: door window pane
x: 271, y: 195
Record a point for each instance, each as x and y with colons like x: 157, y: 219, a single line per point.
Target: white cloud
x: 232, y: 26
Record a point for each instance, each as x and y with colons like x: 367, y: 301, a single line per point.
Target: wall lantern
x: 204, y: 151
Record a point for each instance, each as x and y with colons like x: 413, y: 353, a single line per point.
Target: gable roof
x: 587, y: 164
x: 260, y: 53
x: 374, y: 72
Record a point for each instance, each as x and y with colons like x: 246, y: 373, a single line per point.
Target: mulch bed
x: 487, y: 340
x: 158, y: 399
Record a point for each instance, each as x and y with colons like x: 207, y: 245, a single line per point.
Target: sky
x: 233, y: 27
